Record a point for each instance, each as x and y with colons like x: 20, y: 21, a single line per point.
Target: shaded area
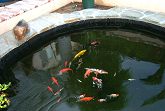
x: 136, y: 50
x: 160, y: 96
x: 156, y: 78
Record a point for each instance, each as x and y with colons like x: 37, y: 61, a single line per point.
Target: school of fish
x: 97, y: 83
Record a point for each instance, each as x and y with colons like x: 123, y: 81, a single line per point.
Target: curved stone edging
x: 53, y: 20
x: 43, y: 39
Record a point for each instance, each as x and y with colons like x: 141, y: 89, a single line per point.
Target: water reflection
x: 160, y: 96
x: 156, y: 78
x: 35, y: 72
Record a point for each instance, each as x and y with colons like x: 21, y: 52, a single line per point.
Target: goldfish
x: 112, y: 96
x: 87, y: 73
x: 97, y: 71
x: 101, y: 100
x: 86, y: 99
x: 79, y: 54
x: 58, y: 91
x: 50, y: 89
x: 65, y: 70
x: 55, y: 81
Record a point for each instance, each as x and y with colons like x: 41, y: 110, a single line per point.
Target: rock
x: 20, y: 30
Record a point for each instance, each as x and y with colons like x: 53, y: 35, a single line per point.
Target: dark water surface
x: 124, y: 55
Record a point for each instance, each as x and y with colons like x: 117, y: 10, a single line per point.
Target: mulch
x: 77, y: 7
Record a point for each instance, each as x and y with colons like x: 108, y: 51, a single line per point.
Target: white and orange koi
x: 58, y: 91
x: 87, y: 73
x: 97, y: 71
x: 97, y: 80
x: 81, y: 96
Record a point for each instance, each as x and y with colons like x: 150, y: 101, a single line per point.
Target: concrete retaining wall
x: 52, y: 20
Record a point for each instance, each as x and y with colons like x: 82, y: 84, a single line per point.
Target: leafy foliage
x: 4, y: 101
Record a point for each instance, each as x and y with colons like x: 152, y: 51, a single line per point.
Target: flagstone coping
x: 52, y: 20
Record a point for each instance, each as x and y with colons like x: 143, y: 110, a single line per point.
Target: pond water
x: 135, y: 63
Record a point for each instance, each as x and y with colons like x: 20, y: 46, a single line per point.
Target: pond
x: 134, y: 63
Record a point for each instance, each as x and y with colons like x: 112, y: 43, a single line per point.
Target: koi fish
x: 81, y: 96
x: 114, y: 74
x: 55, y: 81
x: 79, y: 54
x: 65, y: 70
x: 131, y: 79
x: 79, y: 63
x: 58, y: 91
x: 87, y: 73
x: 86, y: 99
x: 101, y: 100
x: 79, y: 80
x: 95, y: 43
x: 58, y: 100
x: 97, y: 71
x: 97, y: 82
x: 112, y: 96
x: 50, y: 89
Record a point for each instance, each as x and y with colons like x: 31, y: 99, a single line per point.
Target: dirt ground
x: 66, y: 9
x: 76, y: 7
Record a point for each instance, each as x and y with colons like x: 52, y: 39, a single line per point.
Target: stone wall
x: 52, y: 20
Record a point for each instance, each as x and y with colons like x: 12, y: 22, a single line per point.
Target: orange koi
x: 65, y: 70
x: 55, y: 81
x: 50, y: 89
x: 86, y: 99
x: 87, y: 73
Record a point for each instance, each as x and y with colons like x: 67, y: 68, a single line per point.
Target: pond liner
x: 47, y: 37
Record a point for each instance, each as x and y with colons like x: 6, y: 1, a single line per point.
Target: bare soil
x: 76, y: 7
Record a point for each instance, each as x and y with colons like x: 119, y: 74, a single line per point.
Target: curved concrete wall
x: 52, y: 20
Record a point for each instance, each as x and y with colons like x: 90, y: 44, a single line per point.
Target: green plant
x: 4, y: 101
